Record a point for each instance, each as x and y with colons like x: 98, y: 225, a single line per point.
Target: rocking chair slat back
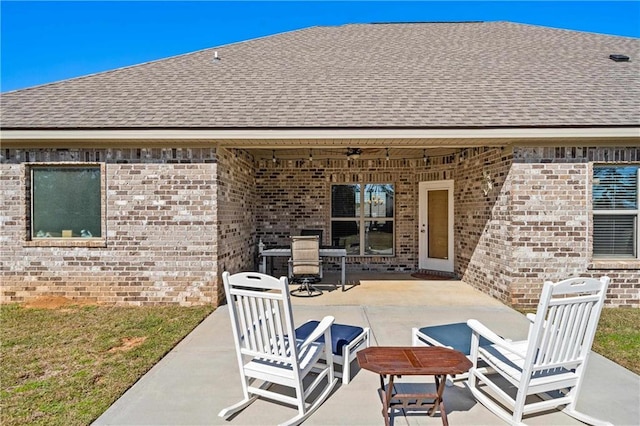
x: 261, y: 329
x: 566, y: 334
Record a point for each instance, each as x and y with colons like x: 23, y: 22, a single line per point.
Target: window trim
x: 612, y: 262
x: 30, y: 241
x: 362, y: 218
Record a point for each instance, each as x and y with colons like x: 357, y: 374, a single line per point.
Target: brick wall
x: 482, y: 222
x: 236, y: 245
x: 176, y: 218
x: 550, y: 222
x: 160, y: 228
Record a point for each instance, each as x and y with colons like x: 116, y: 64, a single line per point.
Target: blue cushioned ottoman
x: 456, y: 336
x: 344, y: 338
x: 341, y: 334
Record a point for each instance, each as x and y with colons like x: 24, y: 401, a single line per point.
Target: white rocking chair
x: 551, y: 362
x: 266, y: 346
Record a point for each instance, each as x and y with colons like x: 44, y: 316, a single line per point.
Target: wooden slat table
x: 397, y: 361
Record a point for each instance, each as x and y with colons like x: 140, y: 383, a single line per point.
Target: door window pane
x: 66, y: 202
x: 438, y: 226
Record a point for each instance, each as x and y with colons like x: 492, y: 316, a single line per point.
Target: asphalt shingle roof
x: 423, y: 75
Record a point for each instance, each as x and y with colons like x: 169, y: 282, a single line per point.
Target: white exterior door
x: 435, y: 228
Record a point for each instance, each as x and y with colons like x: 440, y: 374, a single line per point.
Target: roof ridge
x: 426, y: 22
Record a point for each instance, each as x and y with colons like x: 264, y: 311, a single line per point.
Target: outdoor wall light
x: 487, y: 183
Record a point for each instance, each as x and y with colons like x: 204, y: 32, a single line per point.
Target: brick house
x: 507, y: 154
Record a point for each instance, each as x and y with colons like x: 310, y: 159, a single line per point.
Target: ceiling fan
x: 353, y: 153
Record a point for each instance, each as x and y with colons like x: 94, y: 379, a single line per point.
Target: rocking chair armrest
x: 479, y: 328
x: 319, y: 331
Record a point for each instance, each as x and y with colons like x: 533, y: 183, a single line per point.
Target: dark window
x: 66, y: 202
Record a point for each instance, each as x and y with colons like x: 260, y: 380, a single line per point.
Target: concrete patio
x: 200, y: 376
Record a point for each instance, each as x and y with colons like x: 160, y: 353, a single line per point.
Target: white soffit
x: 330, y: 137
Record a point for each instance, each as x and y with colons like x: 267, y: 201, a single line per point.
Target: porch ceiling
x: 291, y: 149
x: 367, y: 153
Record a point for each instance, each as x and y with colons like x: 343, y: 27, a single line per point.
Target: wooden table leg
x: 439, y: 403
x: 386, y: 398
x: 434, y: 407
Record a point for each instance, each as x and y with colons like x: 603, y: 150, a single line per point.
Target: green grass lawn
x: 66, y: 366
x: 618, y: 337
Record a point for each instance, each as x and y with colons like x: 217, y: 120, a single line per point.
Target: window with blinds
x: 615, y: 212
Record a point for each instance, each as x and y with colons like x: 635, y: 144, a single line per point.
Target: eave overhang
x: 318, y: 138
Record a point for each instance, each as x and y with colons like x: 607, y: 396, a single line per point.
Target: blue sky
x: 48, y: 41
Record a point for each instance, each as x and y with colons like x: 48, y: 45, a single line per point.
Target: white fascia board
x: 185, y: 135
